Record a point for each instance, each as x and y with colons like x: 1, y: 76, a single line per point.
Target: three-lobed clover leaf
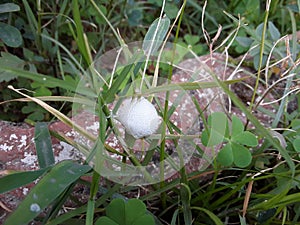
x: 234, y: 151
x: 132, y: 212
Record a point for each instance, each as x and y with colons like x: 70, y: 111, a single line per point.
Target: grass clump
x: 252, y: 179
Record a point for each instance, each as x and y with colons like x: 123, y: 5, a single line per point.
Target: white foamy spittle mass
x: 139, y: 117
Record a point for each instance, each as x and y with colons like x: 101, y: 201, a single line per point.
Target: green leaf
x: 9, y: 7
x: 104, y: 220
x: 135, y: 17
x: 185, y: 195
x: 122, y: 78
x: 8, y: 59
x: 10, y: 35
x: 241, y: 155
x: 217, y: 122
x: 45, y: 80
x: 244, y: 41
x: 81, y: 38
x: 42, y: 91
x: 259, y: 127
x: 242, y: 220
x: 132, y: 212
x: 145, y: 220
x: 274, y: 32
x: 18, y: 179
x: 134, y: 209
x: 155, y: 35
x: 116, y: 211
x: 171, y: 10
x: 245, y: 138
x: 212, y: 216
x: 225, y: 155
x: 191, y: 39
x: 43, y: 145
x: 46, y: 191
x: 296, y: 144
x: 237, y: 126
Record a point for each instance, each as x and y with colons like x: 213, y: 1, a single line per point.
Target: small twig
x: 5, y: 207
x: 247, y: 197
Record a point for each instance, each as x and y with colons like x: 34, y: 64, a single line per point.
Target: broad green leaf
x: 296, y: 144
x: 10, y: 60
x: 259, y: 31
x: 132, y: 212
x: 135, y: 17
x: 241, y: 155
x: 43, y: 145
x: 42, y: 91
x: 19, y: 179
x: 296, y: 124
x: 205, y: 137
x: 237, y: 126
x: 253, y: 10
x: 155, y: 35
x: 274, y: 32
x: 245, y: 138
x: 116, y: 211
x: 104, y: 220
x: 218, y: 124
x: 46, y: 191
x: 144, y: 220
x: 134, y: 209
x: 10, y: 35
x: 191, y: 39
x: 9, y: 7
x: 225, y: 155
x: 171, y: 10
x: 244, y: 41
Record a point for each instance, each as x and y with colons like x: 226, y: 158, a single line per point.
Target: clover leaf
x: 132, y: 212
x: 234, y: 139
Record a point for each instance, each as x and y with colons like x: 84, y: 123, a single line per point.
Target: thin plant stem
x: 165, y: 117
x: 91, y: 202
x: 261, y: 53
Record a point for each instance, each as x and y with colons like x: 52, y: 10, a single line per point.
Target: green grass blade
x: 31, y: 19
x: 108, y: 194
x: 186, y: 86
x: 91, y: 203
x: 185, y: 194
x: 43, y: 145
x: 81, y: 39
x: 46, y: 191
x: 79, y: 100
x: 174, y: 217
x: 17, y: 179
x: 213, y: 217
x: 58, y: 114
x: 48, y: 81
x: 33, y: 24
x: 101, y: 14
